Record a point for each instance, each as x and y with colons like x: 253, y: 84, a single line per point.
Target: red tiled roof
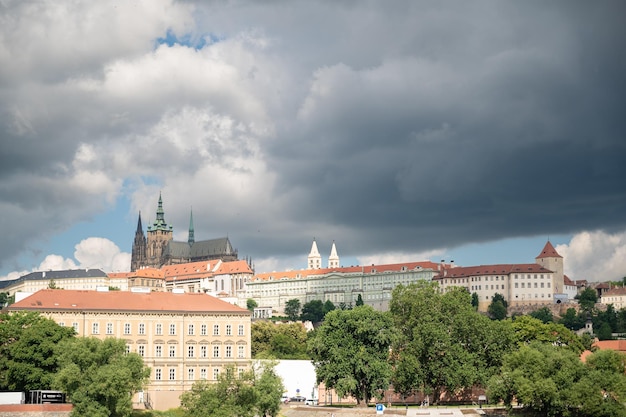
x: 615, y: 291
x: 499, y: 269
x: 619, y: 345
x: 303, y: 273
x: 204, y: 269
x: 548, y: 252
x: 568, y: 281
x: 124, y: 301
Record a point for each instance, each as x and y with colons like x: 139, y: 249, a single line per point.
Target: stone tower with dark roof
x: 138, y: 254
x: 550, y: 259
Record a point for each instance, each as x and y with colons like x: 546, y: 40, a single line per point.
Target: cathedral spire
x: 139, y: 227
x: 191, y: 238
x: 160, y: 224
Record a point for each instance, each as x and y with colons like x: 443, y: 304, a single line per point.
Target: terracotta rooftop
x: 548, y: 252
x: 205, y: 269
x: 500, y: 269
x: 47, y: 300
x: 615, y: 291
x: 304, y: 273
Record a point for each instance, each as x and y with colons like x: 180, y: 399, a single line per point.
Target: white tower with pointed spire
x: 315, y: 259
x: 333, y: 259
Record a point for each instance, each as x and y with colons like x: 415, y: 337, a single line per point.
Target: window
x: 190, y: 374
x: 172, y: 329
x: 216, y: 330
x: 229, y: 330
x: 241, y: 332
x: 141, y: 350
x: 190, y: 330
x: 75, y: 326
x: 142, y: 328
x: 158, y: 351
x: 229, y: 351
x: 109, y: 328
x: 216, y: 373
x: 203, y: 351
x: 241, y: 351
x: 172, y: 351
x: 203, y: 330
x: 157, y: 374
x: 190, y: 351
x: 95, y: 328
x: 159, y: 329
x: 202, y: 373
x: 516, y: 285
x: 127, y: 348
x: 126, y: 328
x: 216, y: 351
x: 172, y: 374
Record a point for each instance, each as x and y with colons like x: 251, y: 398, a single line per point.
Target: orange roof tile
x: 47, y: 300
x: 304, y: 273
x: 499, y: 269
x: 615, y: 291
x: 619, y: 345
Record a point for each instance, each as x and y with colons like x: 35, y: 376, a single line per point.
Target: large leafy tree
x: 236, y: 395
x: 498, y: 307
x: 350, y: 352
x: 540, y: 376
x: 444, y: 344
x: 587, y: 299
x: 529, y: 329
x: 278, y: 341
x: 313, y: 311
x: 27, y: 350
x: 292, y: 309
x: 99, y: 376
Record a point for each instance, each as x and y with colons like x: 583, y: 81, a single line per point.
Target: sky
x: 402, y: 131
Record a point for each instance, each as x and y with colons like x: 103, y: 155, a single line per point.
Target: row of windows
x: 480, y: 287
x: 191, y: 351
x: 191, y: 373
x: 191, y: 329
x: 534, y: 286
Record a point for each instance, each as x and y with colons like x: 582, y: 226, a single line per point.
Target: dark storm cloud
x: 395, y: 126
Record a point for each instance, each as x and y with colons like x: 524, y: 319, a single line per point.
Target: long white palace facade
x: 541, y: 282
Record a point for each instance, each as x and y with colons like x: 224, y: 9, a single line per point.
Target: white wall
x: 298, y: 375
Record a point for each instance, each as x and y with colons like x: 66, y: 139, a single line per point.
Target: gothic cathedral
x: 158, y: 248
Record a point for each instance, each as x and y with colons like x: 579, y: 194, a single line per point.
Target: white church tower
x: 333, y: 259
x: 315, y: 259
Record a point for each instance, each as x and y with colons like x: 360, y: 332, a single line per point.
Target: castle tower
x: 333, y: 259
x: 138, y: 254
x: 159, y: 234
x: 315, y: 259
x: 550, y: 259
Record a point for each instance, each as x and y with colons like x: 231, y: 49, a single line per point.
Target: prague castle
x: 157, y: 247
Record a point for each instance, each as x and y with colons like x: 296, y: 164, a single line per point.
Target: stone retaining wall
x: 35, y: 410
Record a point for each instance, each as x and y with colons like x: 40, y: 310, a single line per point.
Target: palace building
x: 157, y: 247
x: 182, y: 337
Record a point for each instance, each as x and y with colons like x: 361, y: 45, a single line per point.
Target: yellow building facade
x: 182, y: 337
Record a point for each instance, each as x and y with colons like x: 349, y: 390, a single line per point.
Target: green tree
x: 255, y: 392
x: 444, y: 344
x: 540, y: 376
x: 99, y: 377
x: 292, y: 309
x: 529, y: 329
x: 313, y: 311
x: 350, y: 351
x: 604, y: 332
x: 544, y: 314
x: 270, y: 388
x: 359, y: 301
x: 587, y: 298
x: 278, y: 341
x: 572, y: 320
x: 4, y: 299
x: 251, y: 304
x: 497, y: 309
x: 52, y: 285
x: 475, y: 301
x: 602, y: 391
x: 328, y: 306
x: 27, y: 350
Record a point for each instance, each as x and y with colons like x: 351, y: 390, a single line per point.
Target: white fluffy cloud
x: 595, y: 256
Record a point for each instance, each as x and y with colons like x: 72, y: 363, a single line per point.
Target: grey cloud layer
x: 401, y: 126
